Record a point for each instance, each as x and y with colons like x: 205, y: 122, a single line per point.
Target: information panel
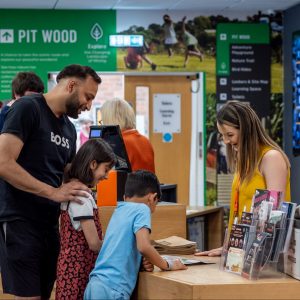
x: 44, y: 41
x: 244, y: 64
x: 296, y: 92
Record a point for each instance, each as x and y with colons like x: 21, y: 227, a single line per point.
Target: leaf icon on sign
x: 96, y: 32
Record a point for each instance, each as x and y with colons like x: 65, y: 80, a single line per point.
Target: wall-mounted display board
x: 243, y: 64
x: 47, y: 40
x: 296, y: 92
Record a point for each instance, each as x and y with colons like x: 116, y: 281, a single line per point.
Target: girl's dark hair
x: 140, y: 183
x: 94, y: 149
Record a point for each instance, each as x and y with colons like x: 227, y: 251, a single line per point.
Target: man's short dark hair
x: 26, y: 81
x: 78, y: 71
x: 140, y: 183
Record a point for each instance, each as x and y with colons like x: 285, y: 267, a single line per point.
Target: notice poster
x: 244, y: 65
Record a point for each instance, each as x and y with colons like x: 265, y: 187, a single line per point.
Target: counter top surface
x: 209, y: 282
x: 203, y: 274
x: 201, y: 210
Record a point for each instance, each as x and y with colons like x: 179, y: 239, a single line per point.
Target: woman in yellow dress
x: 256, y: 160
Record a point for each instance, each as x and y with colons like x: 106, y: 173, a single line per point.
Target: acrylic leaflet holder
x: 253, y: 254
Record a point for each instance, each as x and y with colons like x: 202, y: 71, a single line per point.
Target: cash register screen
x: 112, y: 135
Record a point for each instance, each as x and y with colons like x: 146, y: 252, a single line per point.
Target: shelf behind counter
x: 171, y: 219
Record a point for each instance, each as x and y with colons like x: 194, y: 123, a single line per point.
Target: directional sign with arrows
x: 6, y: 36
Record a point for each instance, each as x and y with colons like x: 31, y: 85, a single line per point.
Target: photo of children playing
x: 180, y: 42
x: 167, y: 47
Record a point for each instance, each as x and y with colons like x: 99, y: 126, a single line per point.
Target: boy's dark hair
x: 140, y: 183
x: 26, y: 81
x: 94, y: 149
x: 78, y: 71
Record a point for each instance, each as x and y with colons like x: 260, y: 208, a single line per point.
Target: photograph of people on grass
x: 180, y: 42
x: 169, y: 46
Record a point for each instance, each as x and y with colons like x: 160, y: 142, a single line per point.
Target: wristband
x: 170, y: 264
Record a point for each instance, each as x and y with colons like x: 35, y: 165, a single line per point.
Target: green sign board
x: 237, y: 33
x: 244, y: 64
x: 45, y: 41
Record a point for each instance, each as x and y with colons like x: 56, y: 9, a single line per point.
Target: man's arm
x: 13, y: 173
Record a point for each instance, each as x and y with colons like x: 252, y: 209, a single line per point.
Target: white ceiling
x: 217, y: 6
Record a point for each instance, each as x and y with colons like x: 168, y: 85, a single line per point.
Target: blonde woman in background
x: 84, y: 133
x: 139, y: 149
x: 256, y: 160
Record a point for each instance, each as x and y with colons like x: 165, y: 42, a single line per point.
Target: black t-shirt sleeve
x: 3, y: 114
x: 73, y: 144
x: 21, y: 119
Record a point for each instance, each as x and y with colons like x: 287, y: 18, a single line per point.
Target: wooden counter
x: 214, y: 223
x: 168, y: 219
x: 208, y: 282
x: 171, y: 219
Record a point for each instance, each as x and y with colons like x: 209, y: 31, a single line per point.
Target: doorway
x: 179, y: 160
x: 173, y: 161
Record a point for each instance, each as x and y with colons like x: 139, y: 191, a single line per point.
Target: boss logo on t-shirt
x: 59, y: 141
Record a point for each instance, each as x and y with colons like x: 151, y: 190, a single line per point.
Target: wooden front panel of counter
x: 167, y: 220
x: 208, y: 282
x: 214, y: 216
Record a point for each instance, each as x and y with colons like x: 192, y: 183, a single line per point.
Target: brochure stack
x: 256, y: 242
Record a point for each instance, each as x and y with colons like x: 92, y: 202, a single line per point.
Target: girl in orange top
x: 257, y: 161
x: 139, y: 149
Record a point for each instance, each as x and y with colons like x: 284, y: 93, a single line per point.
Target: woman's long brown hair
x: 252, y: 137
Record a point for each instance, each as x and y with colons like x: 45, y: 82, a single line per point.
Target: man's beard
x: 72, y: 106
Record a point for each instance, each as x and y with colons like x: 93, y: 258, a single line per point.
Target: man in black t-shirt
x: 36, y: 145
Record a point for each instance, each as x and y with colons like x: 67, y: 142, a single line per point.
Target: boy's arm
x: 91, y: 235
x: 147, y: 250
x: 147, y: 265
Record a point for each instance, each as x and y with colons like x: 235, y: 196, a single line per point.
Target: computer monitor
x: 113, y: 136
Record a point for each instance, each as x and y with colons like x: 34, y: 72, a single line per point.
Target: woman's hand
x: 212, y: 252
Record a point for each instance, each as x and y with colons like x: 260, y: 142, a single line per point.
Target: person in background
x: 133, y: 59
x: 170, y: 34
x: 257, y: 161
x: 84, y: 133
x: 139, y: 149
x: 127, y: 238
x: 191, y: 43
x: 23, y: 84
x: 136, y: 55
x: 37, y: 143
x: 80, y: 229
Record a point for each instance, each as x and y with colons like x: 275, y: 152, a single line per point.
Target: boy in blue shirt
x: 128, y: 238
